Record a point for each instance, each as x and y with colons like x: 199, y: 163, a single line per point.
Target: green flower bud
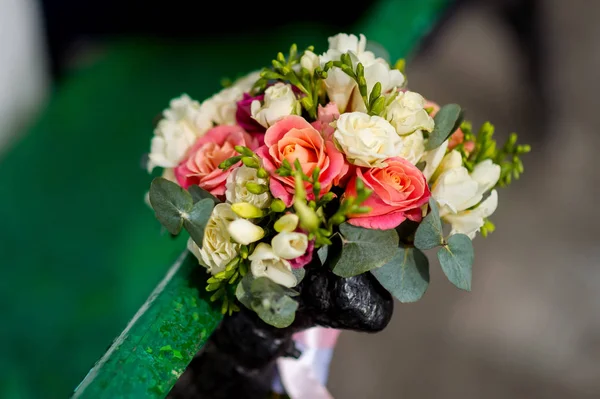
x: 308, y: 217
x: 287, y: 223
x: 247, y: 210
x: 244, y: 151
x: 262, y: 173
x: 256, y: 188
x: 277, y: 205
x: 251, y: 162
x: 228, y: 163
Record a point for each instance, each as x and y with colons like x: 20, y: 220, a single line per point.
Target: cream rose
x: 279, y: 102
x: 265, y: 263
x: 407, y: 113
x: 217, y: 247
x: 184, y: 121
x: 236, y: 190
x: 366, y: 140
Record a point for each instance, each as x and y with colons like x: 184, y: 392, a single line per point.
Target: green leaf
x: 364, y: 249
x: 322, y: 253
x: 195, y: 221
x: 406, y: 276
x: 199, y: 194
x: 170, y: 202
x: 242, y: 291
x: 429, y: 234
x: 272, y: 302
x: 456, y: 260
x: 299, y: 274
x: 447, y: 120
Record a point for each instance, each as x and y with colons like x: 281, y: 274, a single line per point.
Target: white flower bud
x: 309, y: 61
x: 245, y: 232
x: 289, y: 245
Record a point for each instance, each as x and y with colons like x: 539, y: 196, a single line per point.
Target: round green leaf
x: 199, y: 194
x: 447, y: 120
x: 272, y: 302
x: 170, y: 203
x: 429, y: 234
x: 364, y: 249
x: 195, y: 221
x: 456, y: 260
x: 406, y: 276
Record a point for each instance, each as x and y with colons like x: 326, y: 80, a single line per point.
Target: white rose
x: 310, y: 61
x: 223, y: 105
x: 280, y: 101
x: 469, y: 222
x: 264, y: 263
x: 366, y: 140
x: 289, y: 245
x: 236, y: 190
x: 182, y: 124
x: 413, y: 147
x: 407, y: 113
x: 217, y: 248
x: 245, y: 232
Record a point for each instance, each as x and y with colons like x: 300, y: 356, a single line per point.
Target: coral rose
x: 399, y: 191
x: 201, y: 167
x: 294, y: 138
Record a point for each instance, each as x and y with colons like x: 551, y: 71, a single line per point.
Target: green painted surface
x: 79, y: 249
x: 158, y: 343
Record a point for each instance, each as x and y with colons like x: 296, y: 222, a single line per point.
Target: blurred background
x: 80, y: 83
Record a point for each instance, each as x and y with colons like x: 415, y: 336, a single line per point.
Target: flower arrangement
x: 325, y: 161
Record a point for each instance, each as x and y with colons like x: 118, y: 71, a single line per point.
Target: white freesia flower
x: 433, y: 159
x: 469, y: 222
x: 456, y: 190
x: 280, y: 101
x: 217, y: 248
x: 366, y: 140
x: 236, y: 190
x: 289, y: 245
x: 182, y: 124
x: 264, y: 263
x: 310, y: 61
x: 245, y: 232
x: 407, y: 113
x: 342, y: 89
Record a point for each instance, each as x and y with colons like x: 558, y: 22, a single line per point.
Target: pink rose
x: 243, y: 116
x: 294, y: 138
x: 201, y: 167
x: 325, y: 116
x: 399, y: 190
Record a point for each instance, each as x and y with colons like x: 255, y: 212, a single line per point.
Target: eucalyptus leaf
x: 170, y: 202
x: 447, y: 120
x: 198, y: 194
x: 364, y: 249
x: 243, y: 290
x: 299, y: 274
x: 406, y: 276
x: 456, y: 259
x: 195, y: 221
x: 429, y: 234
x: 272, y: 302
x: 322, y: 253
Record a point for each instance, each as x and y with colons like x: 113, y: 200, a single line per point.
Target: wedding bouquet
x: 325, y: 161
